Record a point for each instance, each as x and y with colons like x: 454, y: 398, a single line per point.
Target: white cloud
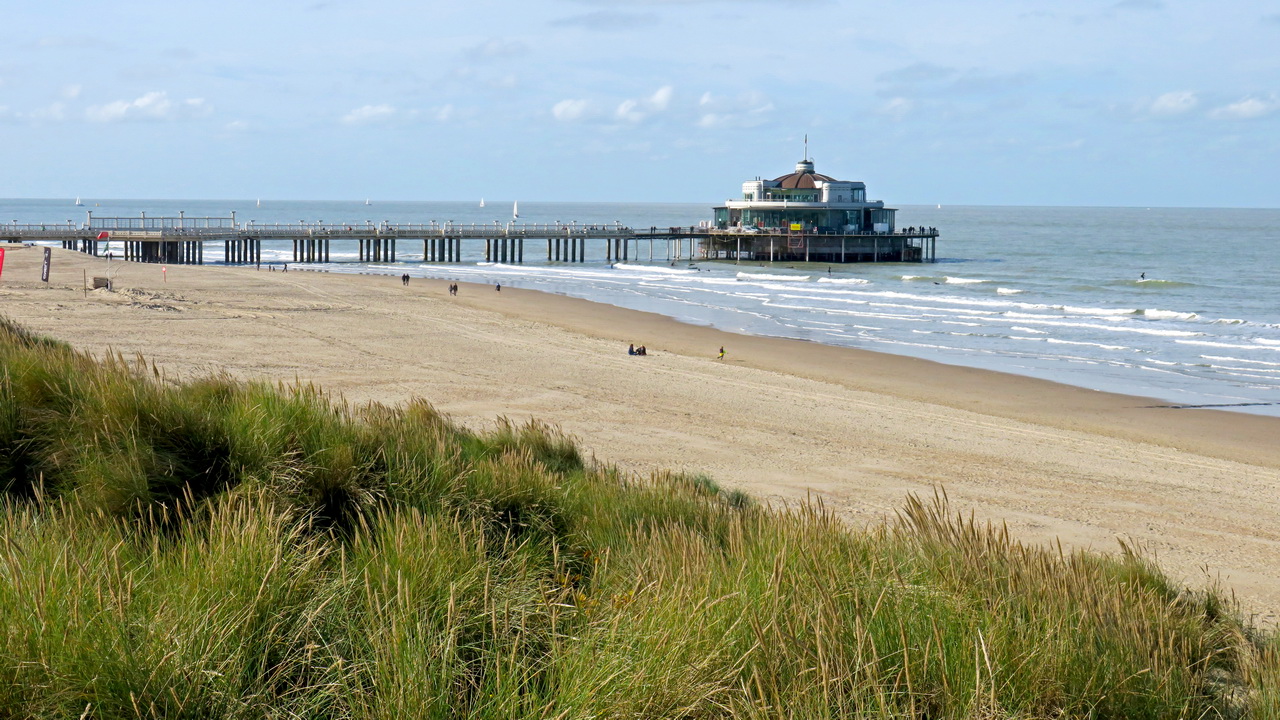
x: 628, y: 110
x: 1174, y: 103
x: 368, y: 114
x: 152, y: 106
x: 497, y: 49
x: 570, y: 110
x: 445, y: 113
x: 897, y: 108
x: 55, y: 112
x: 236, y: 126
x: 662, y: 98
x: 71, y: 92
x: 633, y: 111
x: 746, y: 110
x: 1247, y: 109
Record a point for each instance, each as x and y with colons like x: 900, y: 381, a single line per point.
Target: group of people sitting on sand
x: 633, y: 350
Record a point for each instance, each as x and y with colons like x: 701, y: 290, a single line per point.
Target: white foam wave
x: 844, y: 281
x: 962, y: 281
x: 1169, y: 315
x: 1058, y: 341
x: 1228, y: 358
x: 1097, y: 312
x: 1009, y: 291
x: 656, y: 269
x: 1230, y: 346
x: 776, y: 278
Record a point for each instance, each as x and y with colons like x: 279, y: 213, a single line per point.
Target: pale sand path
x: 780, y: 419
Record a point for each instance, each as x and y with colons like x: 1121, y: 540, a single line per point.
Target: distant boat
x: 939, y: 206
x: 366, y: 201
x: 259, y: 202
x: 515, y: 210
x: 481, y: 202
x: 78, y: 203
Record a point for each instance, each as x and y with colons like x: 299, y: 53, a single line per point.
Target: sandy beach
x: 781, y: 419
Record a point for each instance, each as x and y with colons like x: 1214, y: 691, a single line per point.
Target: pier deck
x: 182, y: 240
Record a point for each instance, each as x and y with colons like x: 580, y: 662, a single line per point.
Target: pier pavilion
x: 805, y: 216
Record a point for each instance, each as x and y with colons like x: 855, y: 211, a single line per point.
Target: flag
x: 1, y: 260
x: 104, y: 235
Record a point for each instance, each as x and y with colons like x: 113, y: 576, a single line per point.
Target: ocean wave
x: 1157, y: 281
x: 1096, y: 312
x: 844, y: 281
x: 1230, y: 321
x: 1228, y: 358
x: 962, y: 281
x: 1168, y: 315
x: 661, y: 270
x: 773, y: 278
x: 1009, y: 291
x: 1121, y: 328
x: 1059, y: 341
x: 1230, y: 346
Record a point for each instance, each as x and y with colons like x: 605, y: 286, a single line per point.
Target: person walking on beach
x: 721, y: 356
x: 498, y: 287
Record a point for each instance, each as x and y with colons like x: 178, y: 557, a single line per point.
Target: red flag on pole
x: 1, y: 260
x: 104, y: 235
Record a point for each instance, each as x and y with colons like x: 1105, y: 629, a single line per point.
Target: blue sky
x: 1135, y: 102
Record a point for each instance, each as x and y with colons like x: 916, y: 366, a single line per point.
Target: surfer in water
x: 1142, y: 276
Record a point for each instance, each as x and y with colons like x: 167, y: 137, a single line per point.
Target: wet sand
x: 781, y: 419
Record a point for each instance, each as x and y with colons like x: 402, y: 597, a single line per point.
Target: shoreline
x: 782, y: 419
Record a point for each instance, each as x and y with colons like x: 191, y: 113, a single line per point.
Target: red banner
x: 1, y: 261
x: 104, y: 235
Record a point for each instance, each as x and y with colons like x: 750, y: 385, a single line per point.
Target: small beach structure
x: 805, y: 216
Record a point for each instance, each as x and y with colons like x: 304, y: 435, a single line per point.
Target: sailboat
x: 366, y: 201
x: 481, y: 202
x: 78, y: 203
x: 515, y: 210
x: 259, y: 202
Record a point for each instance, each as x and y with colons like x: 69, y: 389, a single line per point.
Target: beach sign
x: 44, y: 269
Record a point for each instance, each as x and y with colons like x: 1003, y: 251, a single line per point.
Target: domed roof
x: 803, y: 178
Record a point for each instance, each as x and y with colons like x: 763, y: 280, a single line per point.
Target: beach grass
x: 217, y: 548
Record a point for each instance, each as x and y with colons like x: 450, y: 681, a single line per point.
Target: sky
x: 1012, y: 102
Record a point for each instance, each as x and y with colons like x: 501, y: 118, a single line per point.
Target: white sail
x: 515, y: 210
x: 78, y: 200
x: 366, y: 201
x: 481, y: 202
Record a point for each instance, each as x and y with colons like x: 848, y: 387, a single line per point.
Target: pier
x: 181, y: 240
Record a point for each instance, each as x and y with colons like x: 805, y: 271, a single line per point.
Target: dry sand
x: 781, y: 419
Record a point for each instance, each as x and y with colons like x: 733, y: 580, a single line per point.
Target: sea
x: 1177, y: 304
